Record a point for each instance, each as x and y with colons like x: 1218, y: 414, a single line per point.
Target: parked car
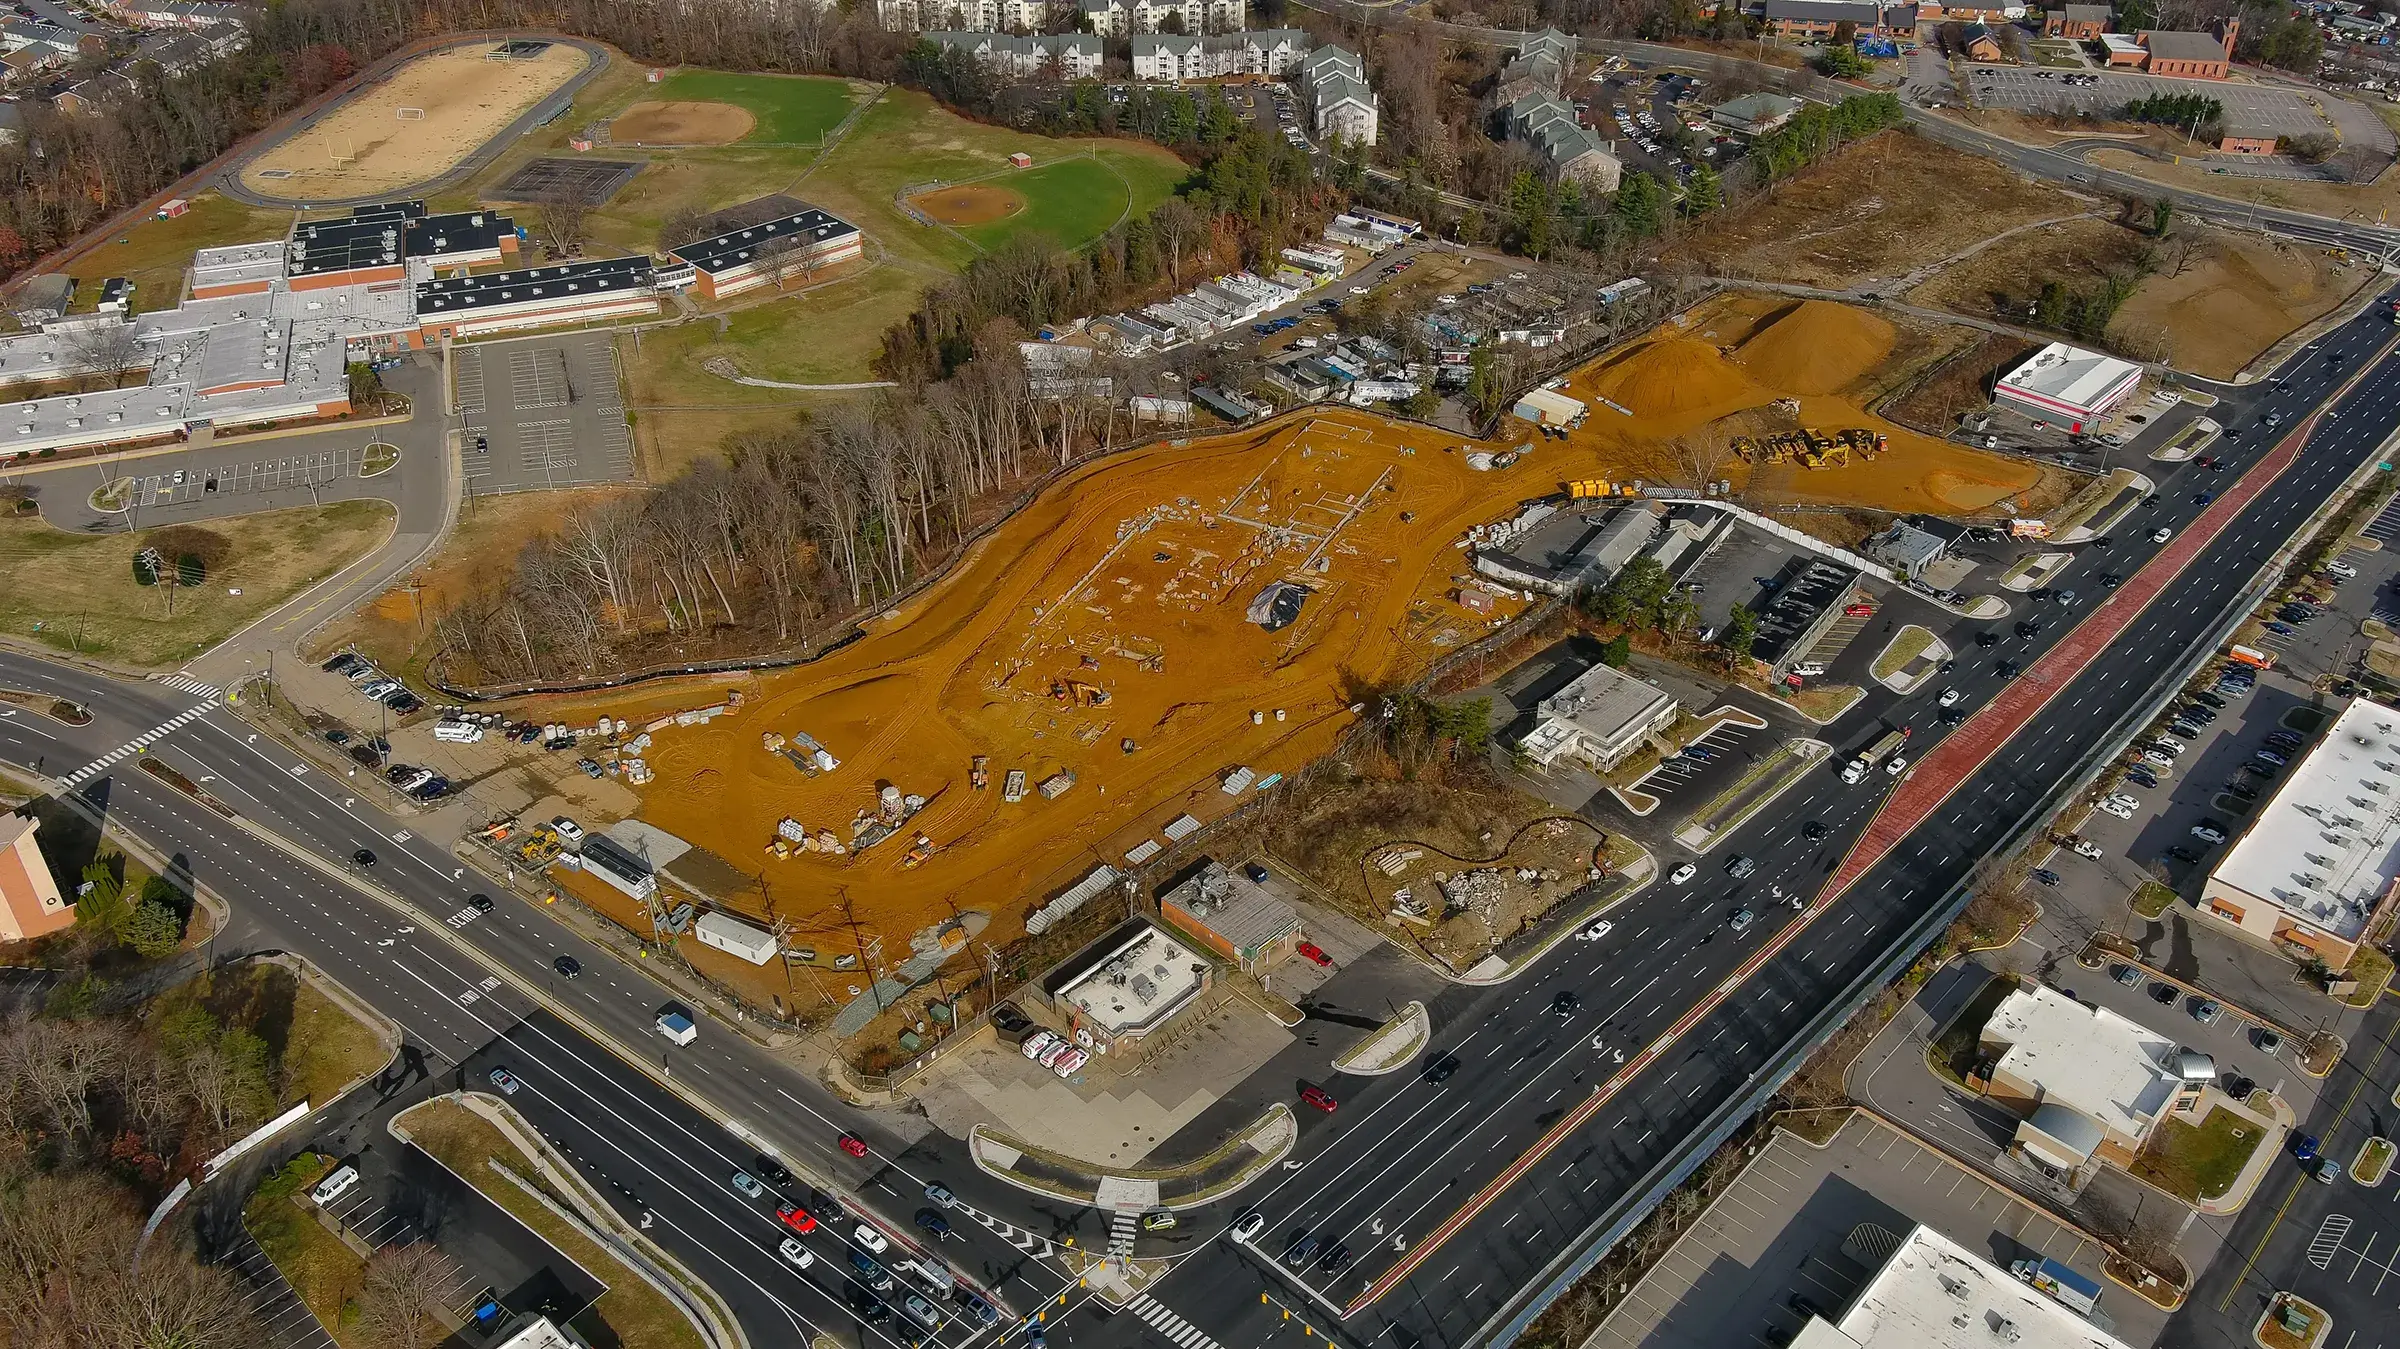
x: 2126, y: 975
x: 1038, y: 1043
x: 1315, y: 954
x: 1070, y: 1063
x: 2208, y: 832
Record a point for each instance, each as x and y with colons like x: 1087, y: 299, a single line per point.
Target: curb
x: 1418, y: 1028
x: 717, y: 1325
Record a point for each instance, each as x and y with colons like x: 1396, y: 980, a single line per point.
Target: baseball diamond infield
x: 681, y: 123
x: 963, y: 206
x: 432, y: 115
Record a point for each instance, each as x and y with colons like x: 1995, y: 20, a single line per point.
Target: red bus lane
x: 1920, y: 793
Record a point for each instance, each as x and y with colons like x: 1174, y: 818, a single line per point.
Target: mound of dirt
x: 681, y: 124
x: 1671, y: 375
x: 1816, y: 348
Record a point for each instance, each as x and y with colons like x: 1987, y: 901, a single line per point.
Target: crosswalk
x: 1183, y: 1333
x: 1121, y: 1230
x: 134, y: 746
x: 191, y: 685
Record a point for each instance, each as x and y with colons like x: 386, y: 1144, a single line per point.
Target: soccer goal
x: 409, y: 114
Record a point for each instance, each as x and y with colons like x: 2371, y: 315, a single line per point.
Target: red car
x: 1315, y: 953
x: 1316, y: 1096
x: 795, y: 1217
x: 1859, y: 610
x: 854, y: 1145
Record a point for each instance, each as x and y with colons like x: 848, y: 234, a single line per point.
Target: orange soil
x: 1676, y: 384
x: 968, y: 205
x: 681, y: 123
x: 1154, y: 555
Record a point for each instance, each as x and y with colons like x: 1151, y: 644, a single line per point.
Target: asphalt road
x: 1402, y: 1151
x: 443, y: 992
x: 1392, y: 1162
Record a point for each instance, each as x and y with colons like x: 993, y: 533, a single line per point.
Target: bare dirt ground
x: 2232, y: 296
x: 466, y: 97
x: 2215, y: 299
x: 1887, y: 205
x: 968, y: 205
x: 1101, y: 632
x: 2003, y: 280
x: 1729, y: 362
x: 681, y: 124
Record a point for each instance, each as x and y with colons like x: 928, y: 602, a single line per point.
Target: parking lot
x: 1616, y: 106
x: 318, y: 468
x: 542, y: 413
x: 1804, y: 1227
x: 2268, y: 110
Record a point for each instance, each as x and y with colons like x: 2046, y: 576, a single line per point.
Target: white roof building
x: 2318, y: 859
x: 1126, y: 990
x: 2086, y: 1077
x: 2067, y: 385
x: 1936, y: 1294
x: 1601, y: 716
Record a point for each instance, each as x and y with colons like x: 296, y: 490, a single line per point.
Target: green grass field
x: 791, y: 109
x: 154, y: 253
x: 1075, y: 201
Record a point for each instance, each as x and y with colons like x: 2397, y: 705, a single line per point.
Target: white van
x: 458, y: 732
x: 336, y: 1184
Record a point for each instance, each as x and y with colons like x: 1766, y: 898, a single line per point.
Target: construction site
x: 1161, y: 636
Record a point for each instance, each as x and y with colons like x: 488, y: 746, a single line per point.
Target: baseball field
x: 1071, y: 200
x: 781, y: 109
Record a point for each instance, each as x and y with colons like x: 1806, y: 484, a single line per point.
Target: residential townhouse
x: 1341, y: 105
x: 1070, y: 56
x: 1101, y: 18
x: 1168, y: 56
x: 1571, y: 151
x: 181, y: 13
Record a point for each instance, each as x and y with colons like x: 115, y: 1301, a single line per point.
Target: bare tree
x: 171, y: 1303
x: 563, y: 225
x: 103, y: 350
x: 1702, y: 455
x: 394, y: 1306
x: 1178, y: 227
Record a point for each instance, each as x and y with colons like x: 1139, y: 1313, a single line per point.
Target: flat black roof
x: 382, y: 235
x: 724, y: 252
x: 458, y: 294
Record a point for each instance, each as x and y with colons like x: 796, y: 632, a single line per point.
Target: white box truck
x: 677, y: 1026
x: 730, y: 934
x: 458, y: 732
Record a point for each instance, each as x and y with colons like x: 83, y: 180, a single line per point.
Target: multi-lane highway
x: 1420, y: 1181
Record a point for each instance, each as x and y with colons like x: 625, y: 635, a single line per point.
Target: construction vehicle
x: 1079, y: 693
x: 979, y: 774
x: 1884, y: 747
x: 1012, y: 787
x: 2028, y: 529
